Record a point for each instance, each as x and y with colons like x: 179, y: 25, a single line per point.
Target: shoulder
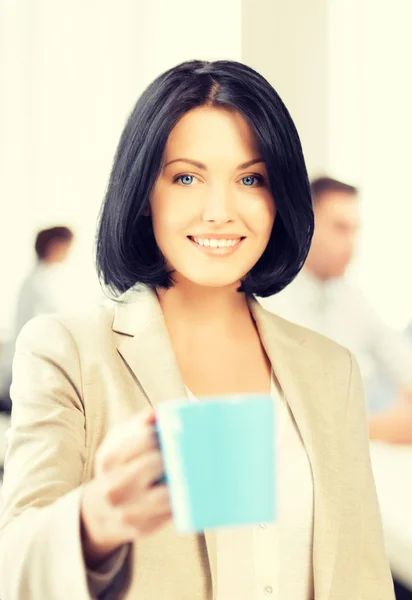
x: 318, y: 364
x: 64, y: 329
x: 305, y: 338
x: 313, y: 357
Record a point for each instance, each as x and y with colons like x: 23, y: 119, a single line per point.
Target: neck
x: 198, y: 305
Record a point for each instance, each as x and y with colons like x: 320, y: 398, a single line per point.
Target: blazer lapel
x: 146, y: 346
x: 147, y: 350
x: 307, y: 387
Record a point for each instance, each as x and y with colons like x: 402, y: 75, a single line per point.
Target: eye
x: 184, y: 179
x: 252, y: 180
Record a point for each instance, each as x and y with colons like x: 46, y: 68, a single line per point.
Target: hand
x: 123, y: 501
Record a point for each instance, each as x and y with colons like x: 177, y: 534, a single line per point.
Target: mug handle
x: 162, y: 480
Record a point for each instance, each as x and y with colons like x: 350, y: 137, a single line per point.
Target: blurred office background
x: 71, y: 72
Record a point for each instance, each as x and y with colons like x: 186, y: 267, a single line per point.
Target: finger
x: 129, y: 481
x: 133, y: 447
x: 150, y: 419
x: 149, y: 473
x: 154, y: 501
x: 153, y: 506
x: 145, y: 528
x: 124, y: 443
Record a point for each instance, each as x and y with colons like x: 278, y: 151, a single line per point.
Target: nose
x: 219, y: 207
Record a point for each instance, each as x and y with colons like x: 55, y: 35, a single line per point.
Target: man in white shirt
x: 39, y: 294
x: 322, y: 299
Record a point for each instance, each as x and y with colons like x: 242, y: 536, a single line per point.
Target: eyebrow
x: 200, y: 165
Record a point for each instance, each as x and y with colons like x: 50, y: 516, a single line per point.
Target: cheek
x: 167, y: 224
x: 264, y: 216
x: 162, y: 216
x: 171, y: 212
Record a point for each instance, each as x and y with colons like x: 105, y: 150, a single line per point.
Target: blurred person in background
x: 321, y: 298
x: 40, y: 293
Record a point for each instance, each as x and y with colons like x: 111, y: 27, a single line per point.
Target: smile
x: 217, y: 246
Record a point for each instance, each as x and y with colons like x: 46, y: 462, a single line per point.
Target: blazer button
x: 268, y: 590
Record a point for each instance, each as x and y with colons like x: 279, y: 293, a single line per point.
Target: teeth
x: 214, y: 243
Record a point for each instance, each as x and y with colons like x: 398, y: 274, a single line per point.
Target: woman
x: 208, y: 204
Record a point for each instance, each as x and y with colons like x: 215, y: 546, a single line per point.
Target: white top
x: 40, y: 293
x: 339, y: 310
x: 274, y: 560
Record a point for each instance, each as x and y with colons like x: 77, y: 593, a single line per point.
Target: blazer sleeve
x: 41, y: 553
x: 375, y: 576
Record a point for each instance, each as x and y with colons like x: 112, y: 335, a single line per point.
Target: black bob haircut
x: 127, y: 253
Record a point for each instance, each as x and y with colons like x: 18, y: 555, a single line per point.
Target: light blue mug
x: 219, y: 459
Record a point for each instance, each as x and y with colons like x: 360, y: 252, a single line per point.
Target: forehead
x: 338, y: 205
x: 212, y: 134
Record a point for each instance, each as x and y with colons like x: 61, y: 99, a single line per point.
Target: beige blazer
x: 76, y: 375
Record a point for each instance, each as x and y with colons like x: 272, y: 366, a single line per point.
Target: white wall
x: 287, y: 43
x: 370, y: 128
x: 173, y: 32
x: 66, y: 88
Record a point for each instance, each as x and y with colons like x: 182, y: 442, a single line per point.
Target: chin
x: 216, y: 283
x: 210, y: 281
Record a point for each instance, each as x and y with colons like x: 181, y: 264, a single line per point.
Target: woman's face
x: 211, y: 206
